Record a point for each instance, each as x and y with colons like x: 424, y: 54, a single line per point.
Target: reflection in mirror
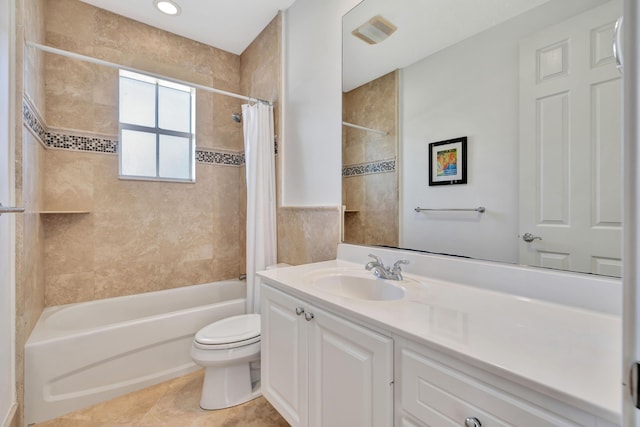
x: 370, y: 183
x: 532, y: 85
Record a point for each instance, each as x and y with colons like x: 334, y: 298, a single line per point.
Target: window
x: 157, y: 129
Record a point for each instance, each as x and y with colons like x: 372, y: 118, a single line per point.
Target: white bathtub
x: 85, y: 353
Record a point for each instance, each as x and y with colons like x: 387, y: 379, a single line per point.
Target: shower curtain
x: 257, y: 123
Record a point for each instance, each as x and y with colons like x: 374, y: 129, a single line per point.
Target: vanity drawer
x: 442, y: 396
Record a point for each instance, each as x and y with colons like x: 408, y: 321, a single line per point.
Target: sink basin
x: 359, y: 287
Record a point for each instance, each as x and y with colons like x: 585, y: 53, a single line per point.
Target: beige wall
x: 145, y: 236
x: 308, y: 234
x: 371, y: 198
x: 137, y: 236
x: 29, y: 161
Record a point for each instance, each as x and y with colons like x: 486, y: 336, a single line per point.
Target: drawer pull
x: 308, y: 316
x: 299, y: 311
x: 472, y: 422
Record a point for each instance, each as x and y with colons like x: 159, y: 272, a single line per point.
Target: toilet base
x: 226, y: 387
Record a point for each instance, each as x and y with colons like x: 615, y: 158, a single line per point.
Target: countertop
x: 568, y: 353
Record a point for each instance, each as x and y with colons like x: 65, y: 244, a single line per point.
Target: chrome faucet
x: 382, y: 272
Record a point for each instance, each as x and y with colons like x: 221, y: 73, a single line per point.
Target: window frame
x: 157, y: 131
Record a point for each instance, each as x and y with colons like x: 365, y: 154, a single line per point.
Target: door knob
x: 472, y: 422
x: 299, y: 311
x: 308, y: 316
x: 528, y: 237
x: 617, y: 44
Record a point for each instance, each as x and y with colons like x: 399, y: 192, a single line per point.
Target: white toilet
x: 229, y: 349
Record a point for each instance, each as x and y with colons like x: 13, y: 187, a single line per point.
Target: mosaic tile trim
x: 33, y: 121
x: 220, y: 157
x: 67, y: 140
x: 63, y: 139
x: 382, y: 166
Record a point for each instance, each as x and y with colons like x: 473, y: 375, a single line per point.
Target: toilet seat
x: 235, y: 331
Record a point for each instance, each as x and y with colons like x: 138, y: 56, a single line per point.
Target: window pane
x: 138, y: 153
x: 175, y: 155
x: 174, y: 109
x: 137, y: 102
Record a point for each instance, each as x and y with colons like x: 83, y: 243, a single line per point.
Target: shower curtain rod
x: 97, y: 61
x: 351, y: 125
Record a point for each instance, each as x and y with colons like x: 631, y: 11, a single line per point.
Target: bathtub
x: 85, y: 353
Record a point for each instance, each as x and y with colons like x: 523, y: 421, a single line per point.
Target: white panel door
x: 7, y: 313
x: 350, y: 374
x: 571, y: 146
x: 631, y: 277
x: 284, y: 356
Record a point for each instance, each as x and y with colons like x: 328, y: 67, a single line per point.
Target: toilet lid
x: 233, y: 329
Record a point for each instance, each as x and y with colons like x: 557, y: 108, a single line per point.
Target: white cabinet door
x: 351, y: 374
x: 284, y: 356
x: 570, y: 145
x: 321, y: 370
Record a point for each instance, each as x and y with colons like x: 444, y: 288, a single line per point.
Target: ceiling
x: 227, y: 25
x: 424, y: 27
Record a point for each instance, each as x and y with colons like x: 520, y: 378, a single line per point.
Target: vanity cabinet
x: 319, y: 369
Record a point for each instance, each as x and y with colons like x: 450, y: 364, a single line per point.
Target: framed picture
x: 448, y: 162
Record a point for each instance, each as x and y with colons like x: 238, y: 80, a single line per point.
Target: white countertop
x: 569, y: 353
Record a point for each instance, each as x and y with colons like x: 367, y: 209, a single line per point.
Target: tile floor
x: 172, y: 403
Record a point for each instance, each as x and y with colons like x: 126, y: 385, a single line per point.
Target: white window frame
x: 157, y: 131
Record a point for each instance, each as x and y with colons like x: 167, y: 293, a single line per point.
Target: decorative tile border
x: 64, y: 139
x: 220, y: 157
x: 381, y: 166
x: 68, y: 140
x: 33, y: 121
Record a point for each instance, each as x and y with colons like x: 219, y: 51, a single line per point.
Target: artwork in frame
x: 448, y: 162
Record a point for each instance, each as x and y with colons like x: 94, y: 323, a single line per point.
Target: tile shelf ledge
x: 55, y: 212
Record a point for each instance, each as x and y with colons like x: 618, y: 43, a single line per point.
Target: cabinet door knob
x: 308, y: 316
x: 472, y: 422
x: 299, y: 311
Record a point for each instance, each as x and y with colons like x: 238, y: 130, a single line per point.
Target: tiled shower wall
x: 29, y: 164
x: 369, y: 173
x: 141, y: 236
x: 136, y: 236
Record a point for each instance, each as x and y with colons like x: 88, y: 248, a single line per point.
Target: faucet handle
x: 372, y: 264
x: 396, y: 265
x: 377, y: 258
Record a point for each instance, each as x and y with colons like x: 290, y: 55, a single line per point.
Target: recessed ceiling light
x: 375, y: 30
x: 167, y: 7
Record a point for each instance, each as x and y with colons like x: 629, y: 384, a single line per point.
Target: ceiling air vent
x: 374, y: 30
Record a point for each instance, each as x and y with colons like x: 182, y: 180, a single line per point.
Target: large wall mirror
x: 533, y: 87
